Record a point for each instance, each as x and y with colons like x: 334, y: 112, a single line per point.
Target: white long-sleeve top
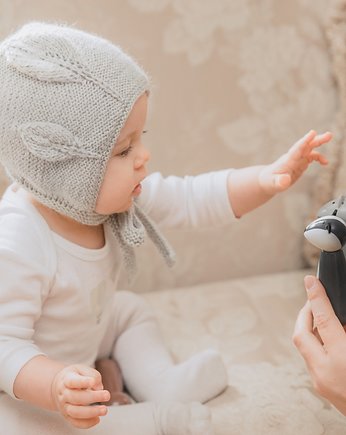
x: 54, y: 294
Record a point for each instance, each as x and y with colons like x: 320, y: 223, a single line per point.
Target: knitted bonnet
x: 64, y: 97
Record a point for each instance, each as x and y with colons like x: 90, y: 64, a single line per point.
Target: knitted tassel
x: 130, y: 228
x: 157, y: 238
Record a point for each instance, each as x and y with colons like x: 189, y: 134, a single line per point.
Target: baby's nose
x: 143, y: 157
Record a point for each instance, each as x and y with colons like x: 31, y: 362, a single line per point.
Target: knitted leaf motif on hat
x: 47, y: 59
x: 52, y: 142
x: 51, y: 58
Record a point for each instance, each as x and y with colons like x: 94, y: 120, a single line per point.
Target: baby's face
x: 126, y: 166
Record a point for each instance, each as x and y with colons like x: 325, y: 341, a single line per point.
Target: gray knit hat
x: 64, y: 97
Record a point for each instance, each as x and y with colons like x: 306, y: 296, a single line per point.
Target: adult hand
x: 325, y: 353
x: 75, y: 391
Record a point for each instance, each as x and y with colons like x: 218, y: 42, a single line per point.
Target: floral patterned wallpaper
x: 235, y: 83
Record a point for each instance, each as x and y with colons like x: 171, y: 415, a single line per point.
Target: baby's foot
x: 200, y: 378
x: 184, y: 419
x: 120, y: 399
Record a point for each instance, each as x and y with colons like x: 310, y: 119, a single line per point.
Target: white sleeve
x: 191, y: 202
x: 24, y: 271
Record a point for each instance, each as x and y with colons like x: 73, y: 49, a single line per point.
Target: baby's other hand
x: 75, y: 391
x: 286, y: 170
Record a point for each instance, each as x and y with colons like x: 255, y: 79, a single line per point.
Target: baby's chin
x: 124, y: 208
x: 108, y: 210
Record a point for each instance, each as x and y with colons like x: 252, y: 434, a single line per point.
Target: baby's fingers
x: 85, y: 423
x: 84, y: 417
x: 76, y: 381
x: 82, y: 377
x: 85, y: 412
x: 86, y: 397
x: 318, y: 157
x: 321, y: 139
x: 303, y: 147
x: 305, y: 140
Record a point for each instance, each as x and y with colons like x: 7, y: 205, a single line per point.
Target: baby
x: 72, y: 112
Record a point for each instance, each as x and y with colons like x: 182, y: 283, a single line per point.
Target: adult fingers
x: 304, y: 339
x: 328, y: 325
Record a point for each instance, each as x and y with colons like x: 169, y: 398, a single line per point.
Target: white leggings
x: 20, y: 418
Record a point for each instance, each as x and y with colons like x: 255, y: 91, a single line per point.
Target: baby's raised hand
x: 286, y: 170
x: 75, y: 391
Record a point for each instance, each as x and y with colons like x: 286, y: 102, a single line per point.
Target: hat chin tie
x: 130, y: 229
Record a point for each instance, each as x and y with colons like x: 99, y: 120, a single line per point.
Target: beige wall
x: 235, y: 83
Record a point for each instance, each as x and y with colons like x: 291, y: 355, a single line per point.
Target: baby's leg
x: 147, y: 367
x: 18, y: 417
x: 149, y: 418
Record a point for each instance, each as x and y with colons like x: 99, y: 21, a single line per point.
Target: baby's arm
x: 250, y: 187
x: 70, y: 390
x: 27, y: 270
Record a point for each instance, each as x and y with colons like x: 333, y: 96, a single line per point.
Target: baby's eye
x: 125, y: 152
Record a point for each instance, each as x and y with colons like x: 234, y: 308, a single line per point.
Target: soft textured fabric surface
x: 251, y: 322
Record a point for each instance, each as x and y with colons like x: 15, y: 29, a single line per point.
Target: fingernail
x: 310, y: 282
